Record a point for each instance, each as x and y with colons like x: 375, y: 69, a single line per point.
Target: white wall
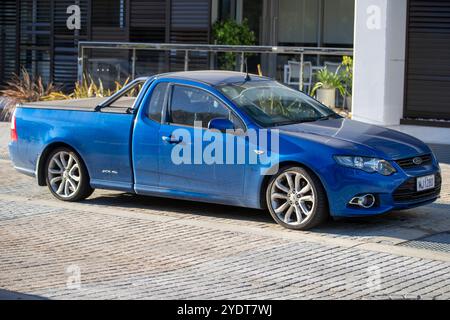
x: 379, y: 56
x: 426, y: 134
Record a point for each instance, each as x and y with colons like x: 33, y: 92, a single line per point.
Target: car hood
x: 387, y: 143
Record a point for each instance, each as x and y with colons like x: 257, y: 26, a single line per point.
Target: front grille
x: 407, y: 191
x: 409, y: 163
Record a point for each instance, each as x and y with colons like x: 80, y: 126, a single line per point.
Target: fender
x: 42, y: 157
x: 282, y: 164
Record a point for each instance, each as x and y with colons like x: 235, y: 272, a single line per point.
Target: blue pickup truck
x: 191, y: 135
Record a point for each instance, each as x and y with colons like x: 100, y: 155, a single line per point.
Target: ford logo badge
x: 417, y: 161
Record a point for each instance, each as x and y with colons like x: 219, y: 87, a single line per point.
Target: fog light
x: 367, y: 201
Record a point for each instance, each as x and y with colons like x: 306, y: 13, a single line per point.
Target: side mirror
x: 221, y: 124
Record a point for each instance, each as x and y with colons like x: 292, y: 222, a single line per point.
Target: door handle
x: 171, y: 139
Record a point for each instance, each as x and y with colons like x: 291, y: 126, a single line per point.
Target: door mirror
x: 221, y: 124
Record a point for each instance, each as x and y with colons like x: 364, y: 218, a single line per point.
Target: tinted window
x: 189, y: 105
x: 156, y: 104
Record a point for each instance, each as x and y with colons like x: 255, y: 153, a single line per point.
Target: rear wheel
x: 296, y: 199
x: 67, y: 177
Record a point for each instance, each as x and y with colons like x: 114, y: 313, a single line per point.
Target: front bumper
x: 395, y: 192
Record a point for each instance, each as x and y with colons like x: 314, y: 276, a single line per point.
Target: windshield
x: 271, y: 104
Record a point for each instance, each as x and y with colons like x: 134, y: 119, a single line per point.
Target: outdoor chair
x: 294, y: 74
x: 332, y: 66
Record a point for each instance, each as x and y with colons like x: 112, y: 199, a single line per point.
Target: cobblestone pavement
x: 4, y: 137
x: 123, y: 246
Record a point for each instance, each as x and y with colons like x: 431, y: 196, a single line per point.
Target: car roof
x: 211, y: 77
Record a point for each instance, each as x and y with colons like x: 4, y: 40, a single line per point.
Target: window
x: 316, y: 22
x: 270, y: 104
x: 225, y: 9
x: 298, y: 23
x: 156, y: 104
x: 189, y: 105
x: 252, y: 10
x: 338, y: 22
x: 35, y: 34
x: 127, y: 97
x: 108, y: 13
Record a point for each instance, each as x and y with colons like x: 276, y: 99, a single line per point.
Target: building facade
x: 401, y: 47
x: 34, y: 33
x: 402, y: 66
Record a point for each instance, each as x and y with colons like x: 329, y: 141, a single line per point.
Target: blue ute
x: 223, y: 137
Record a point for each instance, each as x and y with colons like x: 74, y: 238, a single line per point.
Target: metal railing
x: 187, y: 49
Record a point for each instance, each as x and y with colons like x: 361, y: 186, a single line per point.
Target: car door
x: 182, y: 164
x: 146, y: 139
x: 108, y: 138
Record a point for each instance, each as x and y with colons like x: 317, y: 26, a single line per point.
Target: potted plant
x: 346, y: 72
x: 326, y: 87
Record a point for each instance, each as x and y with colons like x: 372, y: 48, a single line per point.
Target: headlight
x: 366, y: 164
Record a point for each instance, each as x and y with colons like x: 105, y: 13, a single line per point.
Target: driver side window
x: 157, y: 102
x: 190, y: 105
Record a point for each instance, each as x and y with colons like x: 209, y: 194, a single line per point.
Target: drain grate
x: 436, y: 242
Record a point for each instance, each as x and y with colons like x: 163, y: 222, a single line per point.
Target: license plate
x: 425, y: 183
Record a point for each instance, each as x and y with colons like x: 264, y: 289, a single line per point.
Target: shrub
x: 7, y: 106
x: 229, y: 32
x: 89, y: 89
x: 346, y: 72
x: 23, y: 88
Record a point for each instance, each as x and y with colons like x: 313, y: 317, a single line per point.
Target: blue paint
x: 132, y: 146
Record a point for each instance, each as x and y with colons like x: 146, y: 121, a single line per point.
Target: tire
x: 292, y: 203
x: 66, y: 175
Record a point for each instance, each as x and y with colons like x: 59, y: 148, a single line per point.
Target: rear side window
x: 157, y: 102
x: 128, y: 97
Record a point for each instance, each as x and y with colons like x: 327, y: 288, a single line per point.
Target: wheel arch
x: 281, y: 166
x: 42, y: 160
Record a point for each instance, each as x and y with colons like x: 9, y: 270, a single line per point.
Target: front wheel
x: 67, y: 177
x: 296, y: 199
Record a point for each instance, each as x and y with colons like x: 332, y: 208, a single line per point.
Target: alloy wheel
x: 293, y: 198
x: 64, y: 174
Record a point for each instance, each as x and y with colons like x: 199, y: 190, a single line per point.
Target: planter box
x: 327, y: 97
x: 348, y: 103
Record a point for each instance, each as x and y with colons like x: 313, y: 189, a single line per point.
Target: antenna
x: 247, y: 76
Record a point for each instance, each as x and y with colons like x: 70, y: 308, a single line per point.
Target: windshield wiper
x: 330, y: 116
x: 286, y: 123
